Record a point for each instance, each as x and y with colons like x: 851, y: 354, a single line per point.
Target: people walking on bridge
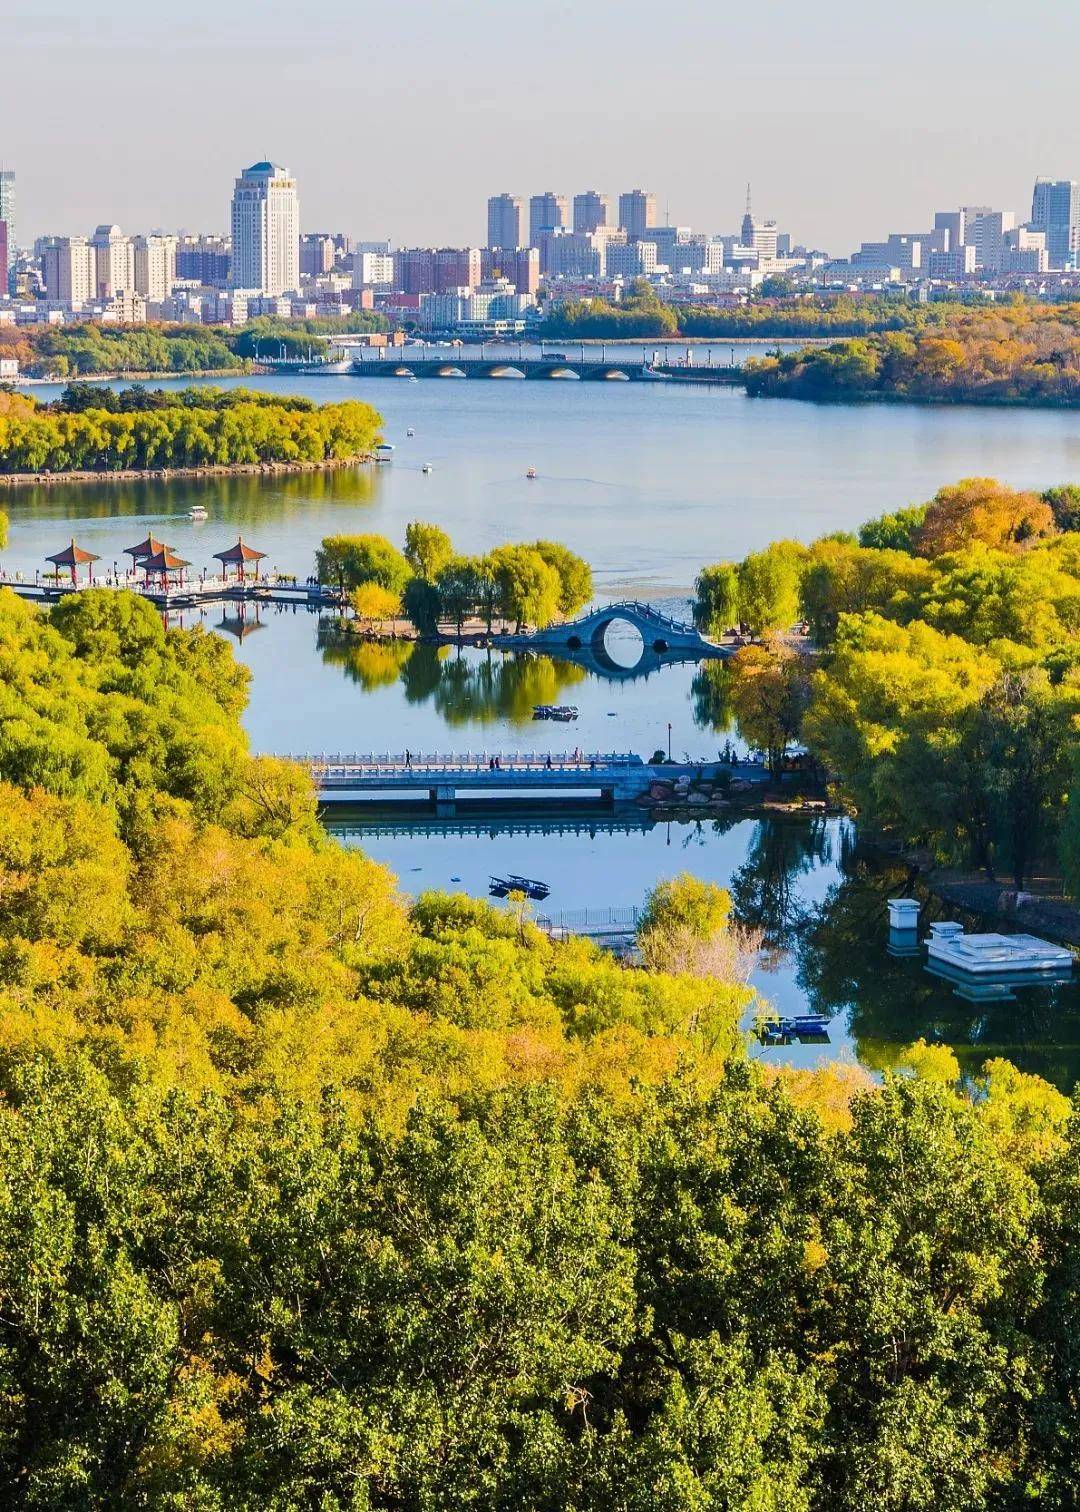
x: 408, y: 758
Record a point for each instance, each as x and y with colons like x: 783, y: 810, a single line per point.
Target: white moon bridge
x: 664, y: 640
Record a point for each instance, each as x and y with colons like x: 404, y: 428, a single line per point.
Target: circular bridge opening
x: 623, y: 643
x: 506, y: 372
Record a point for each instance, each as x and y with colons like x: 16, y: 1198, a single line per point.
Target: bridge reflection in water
x: 380, y: 821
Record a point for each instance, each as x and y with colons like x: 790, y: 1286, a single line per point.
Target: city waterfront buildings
x: 155, y: 266
x: 266, y: 230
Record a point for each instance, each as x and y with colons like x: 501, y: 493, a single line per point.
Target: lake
x: 649, y: 483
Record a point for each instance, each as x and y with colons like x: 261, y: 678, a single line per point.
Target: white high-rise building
x: 7, y: 203
x: 266, y: 230
x: 114, y: 255
x: 69, y: 268
x: 155, y: 266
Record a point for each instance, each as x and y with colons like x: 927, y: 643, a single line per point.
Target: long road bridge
x: 615, y: 777
x: 618, y: 369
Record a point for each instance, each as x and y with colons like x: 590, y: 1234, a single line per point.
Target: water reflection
x: 844, y: 967
x: 766, y: 889
x: 243, y: 498
x: 462, y: 688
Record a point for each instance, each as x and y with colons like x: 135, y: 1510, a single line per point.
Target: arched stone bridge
x: 664, y: 639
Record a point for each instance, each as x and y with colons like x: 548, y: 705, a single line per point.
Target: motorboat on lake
x: 502, y: 887
x: 562, y: 713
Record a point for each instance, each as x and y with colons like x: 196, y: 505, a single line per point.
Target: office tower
x: 114, y: 259
x: 7, y: 204
x: 266, y: 230
x: 204, y: 260
x: 1055, y: 209
x: 637, y: 213
x: 1024, y: 251
x: 69, y: 269
x: 547, y: 212
x: 3, y: 258
x: 155, y: 266
x: 748, y: 223
x: 505, y: 221
x: 591, y: 211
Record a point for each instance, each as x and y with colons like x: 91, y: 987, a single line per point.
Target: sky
x: 398, y: 119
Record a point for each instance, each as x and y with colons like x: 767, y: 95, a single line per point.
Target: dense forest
x: 1017, y: 352
x: 97, y: 429
x: 945, y: 696
x: 313, y: 1196
x: 642, y: 314
x: 83, y: 350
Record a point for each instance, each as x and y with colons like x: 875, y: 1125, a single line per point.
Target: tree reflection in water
x: 464, y: 687
x: 843, y: 966
x: 765, y: 889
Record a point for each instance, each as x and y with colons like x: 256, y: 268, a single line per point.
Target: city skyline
x: 902, y: 128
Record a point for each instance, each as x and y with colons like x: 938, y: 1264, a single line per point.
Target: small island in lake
x: 92, y: 431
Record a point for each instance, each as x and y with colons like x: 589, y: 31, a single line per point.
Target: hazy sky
x: 399, y: 118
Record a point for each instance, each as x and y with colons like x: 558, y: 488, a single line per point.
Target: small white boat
x: 384, y: 452
x: 198, y: 512
x: 427, y: 467
x: 531, y: 472
x: 410, y: 431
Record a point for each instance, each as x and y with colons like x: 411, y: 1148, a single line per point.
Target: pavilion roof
x: 72, y: 556
x: 146, y: 548
x: 165, y: 560
x: 241, y: 552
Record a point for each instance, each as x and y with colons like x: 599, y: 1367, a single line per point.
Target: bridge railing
x: 392, y: 763
x: 588, y: 920
x: 631, y: 606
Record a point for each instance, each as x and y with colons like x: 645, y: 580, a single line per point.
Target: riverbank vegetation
x: 88, y: 349
x: 431, y: 584
x: 310, y: 1195
x: 641, y: 314
x: 945, y: 698
x: 92, y: 429
x: 1015, y: 352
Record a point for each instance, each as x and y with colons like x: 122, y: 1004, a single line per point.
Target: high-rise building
x: 266, y: 230
x: 954, y: 224
x: 373, y: 269
x: 591, y: 211
x: 155, y: 266
x: 3, y: 258
x: 204, y: 259
x: 520, y: 267
x: 637, y: 213
x: 435, y: 270
x: 505, y: 221
x: 7, y: 203
x: 547, y: 212
x: 317, y: 254
x: 1024, y: 251
x: 1055, y: 209
x: 114, y: 258
x: 69, y: 269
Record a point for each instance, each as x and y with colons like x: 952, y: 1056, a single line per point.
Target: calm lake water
x: 648, y: 483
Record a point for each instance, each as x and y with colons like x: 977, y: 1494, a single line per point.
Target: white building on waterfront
x: 266, y: 230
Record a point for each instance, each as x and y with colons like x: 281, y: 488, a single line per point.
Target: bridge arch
x: 505, y: 370
x: 661, y: 636
x: 562, y: 373
x: 451, y: 371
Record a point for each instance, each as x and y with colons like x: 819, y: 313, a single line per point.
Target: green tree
x: 529, y: 589
x: 351, y: 560
x: 716, y: 599
x: 427, y: 549
x: 769, y: 586
x: 573, y: 572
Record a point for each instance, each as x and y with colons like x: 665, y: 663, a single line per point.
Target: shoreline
x: 135, y: 377
x: 169, y: 474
